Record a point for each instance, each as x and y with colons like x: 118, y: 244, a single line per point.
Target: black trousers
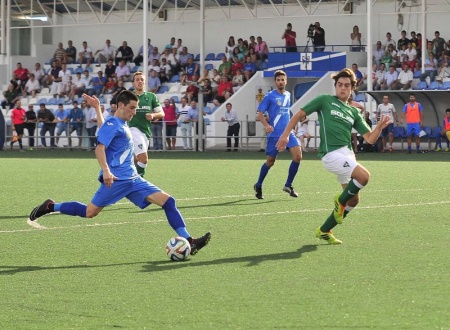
x: 51, y: 129
x: 233, y: 130
x: 30, y: 127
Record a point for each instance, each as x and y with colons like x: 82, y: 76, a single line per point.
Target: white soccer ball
x: 178, y: 248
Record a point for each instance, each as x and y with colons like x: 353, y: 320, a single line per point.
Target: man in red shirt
x: 289, y: 36
x: 170, y: 118
x: 224, y: 91
x: 18, y: 119
x: 21, y: 74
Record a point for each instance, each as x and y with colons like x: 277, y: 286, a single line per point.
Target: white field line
x: 37, y: 226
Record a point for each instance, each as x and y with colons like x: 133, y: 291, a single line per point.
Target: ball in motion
x: 178, y: 248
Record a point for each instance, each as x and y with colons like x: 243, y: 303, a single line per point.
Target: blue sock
x: 175, y: 218
x: 409, y: 148
x: 417, y: 147
x: 72, y: 208
x: 262, y: 174
x: 293, y: 169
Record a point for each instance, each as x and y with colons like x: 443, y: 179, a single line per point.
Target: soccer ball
x: 178, y: 248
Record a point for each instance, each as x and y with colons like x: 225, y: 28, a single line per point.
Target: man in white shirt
x: 123, y: 71
x: 405, y: 78
x: 390, y: 79
x: 387, y: 109
x: 85, y: 55
x: 105, y: 53
x: 32, y: 86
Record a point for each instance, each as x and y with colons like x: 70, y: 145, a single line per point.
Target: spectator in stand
x: 157, y: 136
x: 18, y: 119
x: 171, y: 43
x: 261, y: 49
x: 251, y: 42
x: 60, y: 53
x: 439, y: 45
x: 22, y: 75
x: 39, y: 74
x: 363, y: 86
x: 430, y: 66
x: 119, y: 88
x: 173, y: 60
x: 166, y: 54
x: 390, y: 57
x: 91, y: 126
x: 32, y: 86
x: 380, y: 75
x: 402, y: 57
x: 140, y: 55
x: 85, y: 56
x: 233, y: 127
x: 390, y: 81
x: 86, y: 81
x: 154, y: 66
x: 215, y: 80
x: 75, y: 119
x: 65, y: 83
x: 411, y: 56
x: 389, y: 41
x: 30, y: 125
x: 377, y: 54
x: 207, y: 92
x: 224, y: 91
x: 238, y: 54
x: 110, y: 86
x: 185, y: 124
x: 249, y: 68
x: 46, y: 117
x: 419, y: 47
x: 61, y: 116
x: 179, y: 45
x: 430, y: 49
x: 237, y: 65
x: 54, y: 79
x: 98, y: 85
x: 165, y: 72
x: 225, y: 64
x: 105, y: 53
x: 154, y: 55
x: 191, y: 93
x: 153, y: 83
x: 237, y: 81
x: 442, y: 72
x: 319, y: 38
x: 229, y: 47
x: 355, y: 36
x: 413, y: 39
x: 192, y: 69
x: 170, y: 118
x: 358, y: 75
x: 123, y: 71
x: 183, y: 58
x: 71, y: 52
x: 289, y: 37
x: 126, y: 53
x: 405, y: 78
x: 77, y: 83
x: 402, y: 41
x: 110, y: 69
x: 11, y: 96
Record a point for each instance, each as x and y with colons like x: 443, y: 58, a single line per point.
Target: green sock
x: 329, y: 224
x: 352, y: 189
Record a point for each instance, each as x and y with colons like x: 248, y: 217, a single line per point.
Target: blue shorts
x: 388, y: 129
x: 136, y: 190
x: 412, y: 129
x: 271, y: 149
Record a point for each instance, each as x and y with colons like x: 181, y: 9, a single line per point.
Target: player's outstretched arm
x: 372, y: 136
x: 108, y: 177
x: 94, y: 102
x: 284, y: 138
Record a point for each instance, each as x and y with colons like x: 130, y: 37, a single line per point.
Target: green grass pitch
x: 263, y: 268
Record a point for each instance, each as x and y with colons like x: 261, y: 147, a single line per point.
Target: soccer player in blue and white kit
x: 276, y: 104
x: 119, y: 177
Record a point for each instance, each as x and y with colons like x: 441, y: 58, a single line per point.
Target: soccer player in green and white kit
x: 336, y: 119
x: 149, y: 109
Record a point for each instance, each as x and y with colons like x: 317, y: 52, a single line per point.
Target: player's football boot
x: 258, y: 191
x: 338, y: 211
x: 329, y: 237
x: 41, y: 210
x: 290, y: 190
x: 199, y: 243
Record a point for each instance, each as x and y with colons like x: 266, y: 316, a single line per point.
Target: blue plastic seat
x: 175, y: 98
x: 197, y: 58
x: 42, y: 100
x: 445, y: 85
x: 436, y: 131
x: 263, y: 66
x: 79, y: 70
x: 135, y: 69
x: 175, y: 78
x: 210, y: 57
x: 209, y: 67
x: 219, y: 56
x: 162, y: 89
x: 428, y: 130
x: 421, y: 86
x: 360, y: 98
x: 52, y: 101
x: 434, y: 85
x: 417, y: 74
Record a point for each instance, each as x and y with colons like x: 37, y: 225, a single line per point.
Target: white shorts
x: 301, y: 133
x: 340, y: 162
x: 55, y: 88
x: 354, y: 131
x: 140, y: 141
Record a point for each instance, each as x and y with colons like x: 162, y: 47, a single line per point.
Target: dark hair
x: 42, y: 104
x: 448, y: 110
x: 345, y: 73
x: 126, y: 97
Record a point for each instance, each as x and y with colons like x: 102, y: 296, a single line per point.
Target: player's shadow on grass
x: 167, y: 265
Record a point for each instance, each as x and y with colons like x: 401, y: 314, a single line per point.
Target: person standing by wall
x: 233, y: 127
x: 289, y: 37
